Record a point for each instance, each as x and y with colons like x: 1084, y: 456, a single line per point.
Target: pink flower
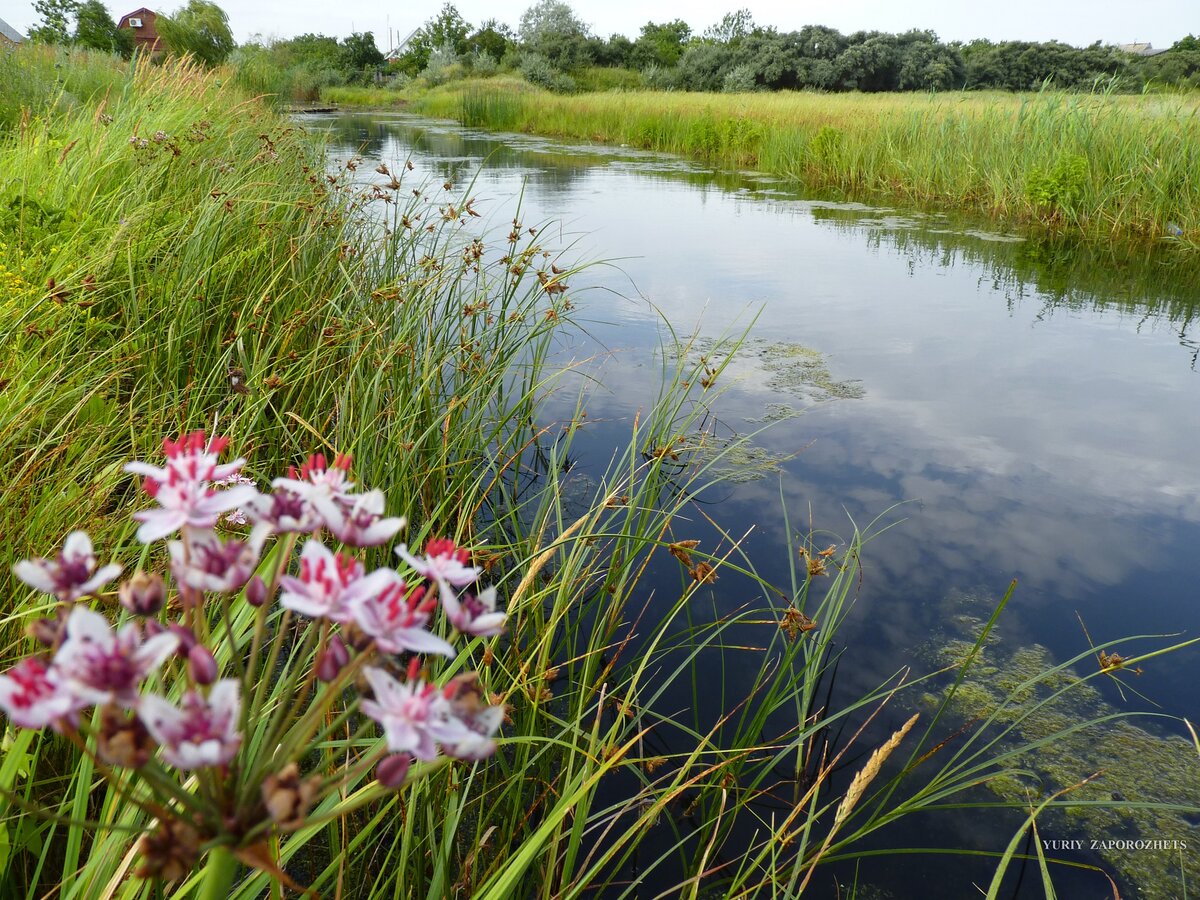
x: 200, y: 733
x: 396, y: 617
x: 98, y: 666
x: 329, y: 584
x: 358, y: 519
x: 464, y: 705
x: 73, y: 574
x: 32, y: 695
x: 445, y: 564
x: 474, y: 613
x: 285, y: 510
x: 204, y: 562
x: 183, y: 487
x: 317, y: 479
x: 413, y: 714
x: 235, y: 516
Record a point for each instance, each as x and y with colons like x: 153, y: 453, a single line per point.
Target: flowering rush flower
x: 396, y: 618
x: 72, y: 574
x: 357, y: 519
x: 98, y: 666
x: 235, y: 516
x: 33, y: 695
x: 445, y: 564
x: 329, y: 584
x: 285, y: 510
x: 206, y: 563
x: 318, y: 479
x: 183, y: 487
x: 475, y: 613
x: 199, y: 733
x: 409, y: 713
x: 479, y: 721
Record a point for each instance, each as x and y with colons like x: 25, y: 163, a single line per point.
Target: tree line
x: 551, y: 46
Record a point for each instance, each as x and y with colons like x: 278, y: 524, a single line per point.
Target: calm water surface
x: 1033, y: 408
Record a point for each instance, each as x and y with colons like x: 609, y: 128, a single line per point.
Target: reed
x: 1102, y: 165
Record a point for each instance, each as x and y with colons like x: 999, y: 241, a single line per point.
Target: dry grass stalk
x: 868, y: 772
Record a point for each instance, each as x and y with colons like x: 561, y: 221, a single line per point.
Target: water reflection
x: 1029, y: 409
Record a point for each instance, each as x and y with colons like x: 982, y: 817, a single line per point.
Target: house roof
x: 11, y: 33
x: 1140, y: 49
x: 140, y: 11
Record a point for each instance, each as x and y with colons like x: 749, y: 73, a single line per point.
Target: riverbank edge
x: 1087, y: 166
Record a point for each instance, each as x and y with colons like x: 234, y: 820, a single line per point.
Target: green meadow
x: 1105, y: 166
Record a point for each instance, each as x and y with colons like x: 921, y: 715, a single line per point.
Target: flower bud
x: 143, y: 594
x: 392, y: 770
x: 332, y: 659
x: 47, y: 632
x: 123, y: 741
x: 287, y: 798
x: 187, y: 638
x: 202, y: 666
x: 169, y: 852
x: 256, y: 591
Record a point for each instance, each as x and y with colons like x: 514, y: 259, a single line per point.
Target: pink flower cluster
x: 365, y: 618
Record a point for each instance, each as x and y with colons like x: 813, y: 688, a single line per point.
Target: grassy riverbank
x: 1104, y: 166
x: 176, y: 256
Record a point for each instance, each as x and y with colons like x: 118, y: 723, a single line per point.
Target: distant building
x: 1140, y: 49
x: 9, y: 36
x: 145, y: 35
x: 393, y: 55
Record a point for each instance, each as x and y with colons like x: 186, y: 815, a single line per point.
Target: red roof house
x: 141, y: 23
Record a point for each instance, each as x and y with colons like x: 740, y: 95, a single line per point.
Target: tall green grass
x: 1105, y: 166
x: 167, y: 234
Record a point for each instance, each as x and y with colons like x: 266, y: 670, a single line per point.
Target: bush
x: 537, y: 70
x: 661, y: 78
x: 738, y: 80
x: 444, y: 65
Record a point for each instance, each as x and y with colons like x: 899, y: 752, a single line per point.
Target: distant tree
x: 201, y: 29
x: 550, y: 29
x: 733, y: 27
x: 358, y: 53
x: 492, y: 39
x: 661, y: 44
x: 95, y: 28
x: 448, y: 29
x: 55, y: 24
x: 314, y: 51
x: 616, y: 51
x: 704, y: 65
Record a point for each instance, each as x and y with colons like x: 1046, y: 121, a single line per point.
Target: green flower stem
x: 218, y: 874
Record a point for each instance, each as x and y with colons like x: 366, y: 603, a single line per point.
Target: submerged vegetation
x: 1102, y: 165
x: 176, y: 257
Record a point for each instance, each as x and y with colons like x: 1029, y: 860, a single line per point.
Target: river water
x: 1022, y: 409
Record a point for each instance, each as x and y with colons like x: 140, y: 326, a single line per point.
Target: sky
x: 1078, y: 22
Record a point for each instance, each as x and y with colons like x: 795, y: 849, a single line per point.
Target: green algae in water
x: 1135, y: 765
x: 732, y: 457
x: 783, y: 367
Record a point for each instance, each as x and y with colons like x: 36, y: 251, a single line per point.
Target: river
x: 1020, y: 409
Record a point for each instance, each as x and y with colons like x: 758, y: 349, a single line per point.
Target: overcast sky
x: 1079, y: 22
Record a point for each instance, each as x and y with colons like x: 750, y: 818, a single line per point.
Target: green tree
x: 359, y: 55
x: 660, y: 44
x: 55, y: 24
x: 732, y: 28
x: 448, y: 29
x: 201, y: 29
x: 95, y: 28
x: 492, y: 39
x: 550, y: 29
